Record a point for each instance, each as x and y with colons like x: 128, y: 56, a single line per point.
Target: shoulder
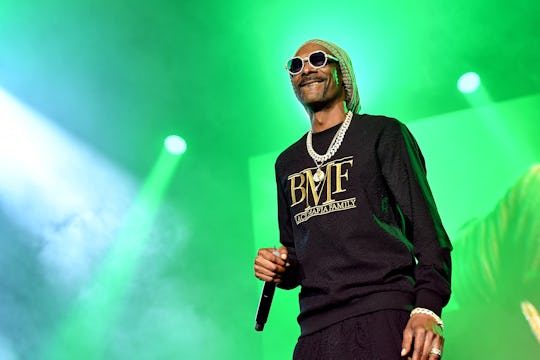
x: 291, y: 153
x: 377, y: 121
x: 378, y: 127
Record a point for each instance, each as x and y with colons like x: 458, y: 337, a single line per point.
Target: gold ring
x: 435, y: 351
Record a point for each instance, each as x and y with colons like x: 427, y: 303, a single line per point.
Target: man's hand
x: 270, y: 264
x: 427, y: 336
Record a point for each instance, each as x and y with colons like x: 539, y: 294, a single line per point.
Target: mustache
x: 310, y: 78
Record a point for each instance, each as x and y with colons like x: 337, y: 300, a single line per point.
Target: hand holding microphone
x: 270, y: 264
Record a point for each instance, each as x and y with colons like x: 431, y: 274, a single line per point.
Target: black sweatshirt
x: 368, y: 237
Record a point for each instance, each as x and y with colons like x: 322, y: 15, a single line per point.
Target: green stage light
x: 175, y: 144
x: 468, y: 82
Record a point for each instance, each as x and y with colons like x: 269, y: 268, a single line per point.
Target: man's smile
x: 311, y: 81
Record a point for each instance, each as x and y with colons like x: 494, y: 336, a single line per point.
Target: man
x: 358, y: 225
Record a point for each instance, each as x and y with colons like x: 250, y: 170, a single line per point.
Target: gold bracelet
x: 430, y: 313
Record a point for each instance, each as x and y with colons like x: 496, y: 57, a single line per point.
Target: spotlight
x: 175, y: 144
x: 468, y: 82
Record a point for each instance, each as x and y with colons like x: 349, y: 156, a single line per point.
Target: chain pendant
x: 319, y: 176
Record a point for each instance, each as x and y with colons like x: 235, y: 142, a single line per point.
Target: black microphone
x: 263, y: 309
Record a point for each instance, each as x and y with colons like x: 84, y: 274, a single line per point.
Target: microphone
x: 265, y: 301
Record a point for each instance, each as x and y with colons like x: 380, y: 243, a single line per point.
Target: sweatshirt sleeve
x: 291, y: 278
x: 404, y: 169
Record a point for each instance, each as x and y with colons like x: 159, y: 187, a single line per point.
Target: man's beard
x: 319, y: 104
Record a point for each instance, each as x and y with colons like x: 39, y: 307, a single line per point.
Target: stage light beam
x: 85, y: 332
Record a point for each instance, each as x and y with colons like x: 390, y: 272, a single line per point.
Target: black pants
x: 373, y: 336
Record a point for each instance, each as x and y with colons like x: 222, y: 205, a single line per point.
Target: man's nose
x: 307, y: 67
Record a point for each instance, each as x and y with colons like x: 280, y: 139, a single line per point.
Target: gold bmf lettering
x: 340, y: 175
x: 312, y: 189
x: 299, y: 187
x: 304, y: 188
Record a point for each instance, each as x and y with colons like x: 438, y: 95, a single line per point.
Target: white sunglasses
x: 316, y: 59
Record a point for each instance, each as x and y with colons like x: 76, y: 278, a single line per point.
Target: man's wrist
x: 425, y: 311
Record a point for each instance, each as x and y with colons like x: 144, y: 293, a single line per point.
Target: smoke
x: 63, y: 206
x: 6, y: 349
x: 164, y: 327
x: 59, y: 190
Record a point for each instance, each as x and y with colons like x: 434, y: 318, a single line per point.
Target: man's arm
x: 281, y: 269
x: 290, y: 278
x: 404, y: 170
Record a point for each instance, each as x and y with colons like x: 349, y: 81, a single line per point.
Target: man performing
x: 359, y: 227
